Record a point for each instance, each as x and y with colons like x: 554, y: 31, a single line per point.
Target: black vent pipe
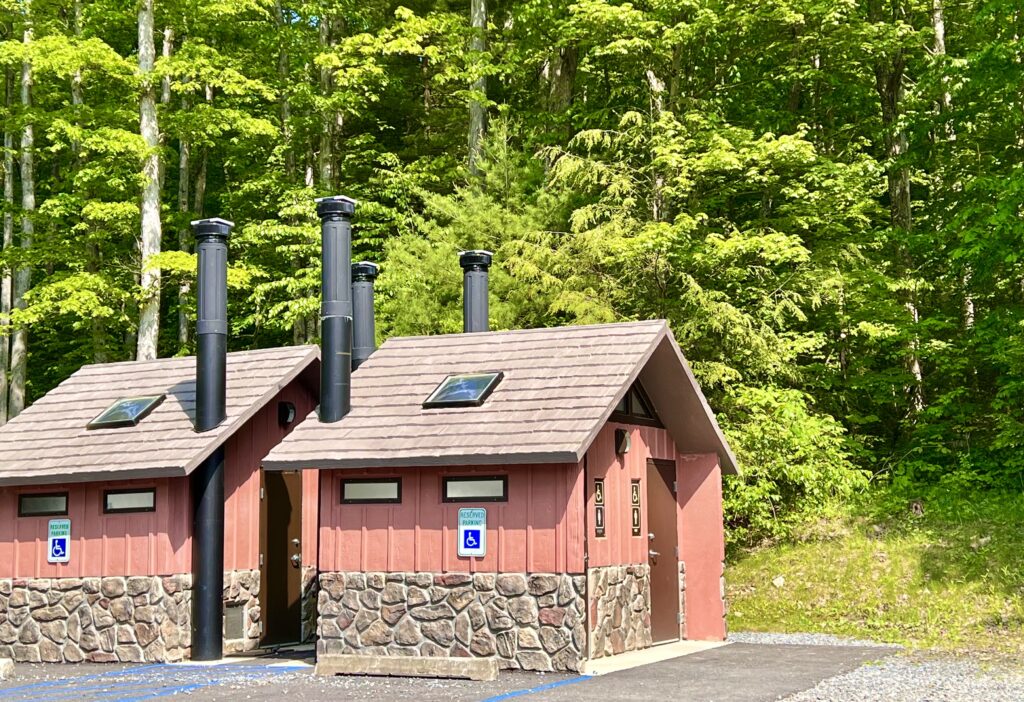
x: 211, y: 409
x: 474, y: 290
x: 335, y: 306
x: 364, y: 332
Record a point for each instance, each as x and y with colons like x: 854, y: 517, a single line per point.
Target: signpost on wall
x: 58, y: 541
x: 598, y: 507
x: 635, y: 506
x: 472, y: 532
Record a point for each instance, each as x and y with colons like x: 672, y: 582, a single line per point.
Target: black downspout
x: 335, y: 306
x: 364, y: 332
x: 474, y: 290
x: 208, y: 479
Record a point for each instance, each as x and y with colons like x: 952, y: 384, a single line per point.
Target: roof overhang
x: 218, y: 437
x: 667, y: 379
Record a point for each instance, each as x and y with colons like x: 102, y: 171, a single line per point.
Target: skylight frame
x: 99, y: 423
x: 481, y: 397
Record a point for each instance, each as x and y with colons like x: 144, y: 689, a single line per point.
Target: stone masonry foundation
x: 620, y: 609
x: 310, y: 592
x: 532, y: 622
x: 101, y: 620
x: 114, y: 619
x: 242, y: 589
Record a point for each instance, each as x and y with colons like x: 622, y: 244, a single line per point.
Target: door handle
x: 296, y: 543
x: 653, y: 554
x: 296, y: 559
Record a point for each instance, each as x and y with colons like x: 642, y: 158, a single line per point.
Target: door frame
x: 265, y: 564
x: 657, y: 472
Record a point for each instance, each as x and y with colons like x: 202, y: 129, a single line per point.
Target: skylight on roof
x: 126, y: 412
x: 463, y: 390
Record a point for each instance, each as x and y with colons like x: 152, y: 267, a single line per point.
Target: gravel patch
x: 752, y: 637
x: 917, y: 679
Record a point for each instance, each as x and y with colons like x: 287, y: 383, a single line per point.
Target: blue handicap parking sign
x: 471, y: 539
x: 58, y: 548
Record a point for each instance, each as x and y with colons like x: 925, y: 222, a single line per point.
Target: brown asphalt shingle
x: 559, y: 387
x: 49, y: 442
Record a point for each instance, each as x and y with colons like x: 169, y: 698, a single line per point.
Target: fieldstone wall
x: 620, y: 599
x: 310, y: 591
x: 532, y: 622
x: 242, y: 589
x: 116, y: 619
x: 101, y: 620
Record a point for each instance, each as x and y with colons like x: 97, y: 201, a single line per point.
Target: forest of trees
x: 823, y: 197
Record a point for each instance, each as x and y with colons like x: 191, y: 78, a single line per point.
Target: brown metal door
x: 281, y: 565
x: 663, y: 542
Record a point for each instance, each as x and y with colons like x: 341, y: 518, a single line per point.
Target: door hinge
x: 261, y: 560
x: 679, y: 617
x: 675, y: 487
x: 263, y: 493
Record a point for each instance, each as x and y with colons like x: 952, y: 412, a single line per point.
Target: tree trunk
x: 562, y: 84
x: 93, y: 261
x: 184, y: 151
x: 23, y: 277
x: 76, y: 78
x: 939, y: 49
x: 199, y: 197
x: 7, y: 283
x: 326, y: 156
x: 477, y: 109
x: 149, y: 319
x: 889, y: 77
x: 283, y: 71
x: 165, y: 51
x: 657, y: 88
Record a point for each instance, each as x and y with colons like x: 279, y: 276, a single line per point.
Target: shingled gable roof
x: 560, y: 385
x: 49, y: 442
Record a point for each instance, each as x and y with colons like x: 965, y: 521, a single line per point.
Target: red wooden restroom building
x: 598, y: 466
x: 538, y: 497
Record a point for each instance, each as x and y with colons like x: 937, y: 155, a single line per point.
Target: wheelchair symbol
x: 471, y: 539
x: 57, y: 549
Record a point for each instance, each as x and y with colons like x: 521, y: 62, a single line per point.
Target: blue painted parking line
x: 143, y: 683
x: 539, y: 688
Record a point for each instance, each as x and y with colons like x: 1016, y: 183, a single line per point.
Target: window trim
x: 429, y: 403
x: 371, y: 500
x: 628, y: 417
x: 63, y: 513
x: 131, y: 510
x: 474, y: 478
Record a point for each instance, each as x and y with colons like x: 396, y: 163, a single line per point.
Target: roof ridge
x: 171, y: 359
x: 538, y: 330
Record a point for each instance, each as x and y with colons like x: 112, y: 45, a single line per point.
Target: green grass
x: 951, y: 579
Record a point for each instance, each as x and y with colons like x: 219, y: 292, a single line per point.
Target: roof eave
x: 463, y: 460
x: 313, y: 354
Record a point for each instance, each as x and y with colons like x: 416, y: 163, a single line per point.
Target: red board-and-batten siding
x: 159, y: 542
x: 698, y: 518
x: 537, y: 530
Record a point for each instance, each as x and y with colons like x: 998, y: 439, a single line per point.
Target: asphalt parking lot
x: 735, y: 673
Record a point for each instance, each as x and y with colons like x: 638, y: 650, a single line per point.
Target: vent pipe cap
x: 215, y: 226
x: 335, y: 206
x: 477, y: 260
x: 365, y: 271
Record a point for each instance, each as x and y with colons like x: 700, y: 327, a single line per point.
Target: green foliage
x: 932, y: 569
x: 735, y: 168
x: 795, y: 464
